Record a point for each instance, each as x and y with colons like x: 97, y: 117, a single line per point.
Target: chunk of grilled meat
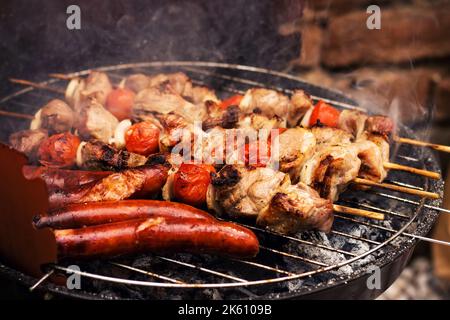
x: 95, y: 122
x: 381, y: 125
x: 300, y: 104
x: 294, y: 208
x: 372, y: 149
x: 264, y: 101
x: 145, y: 181
x: 227, y: 119
x: 56, y: 117
x: 353, y: 122
x: 166, y: 101
x: 331, y: 169
x: 243, y: 192
x: 296, y: 145
x: 372, y: 163
x: 271, y: 103
x: 356, y: 123
x: 101, y: 156
x: 327, y: 136
x: 96, y: 86
x: 28, y: 141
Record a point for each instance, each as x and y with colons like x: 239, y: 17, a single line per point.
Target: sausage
x: 157, y: 235
x: 88, y: 214
x: 144, y: 181
x: 63, y: 179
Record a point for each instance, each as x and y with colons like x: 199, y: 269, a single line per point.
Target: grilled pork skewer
x: 437, y: 147
x: 144, y: 181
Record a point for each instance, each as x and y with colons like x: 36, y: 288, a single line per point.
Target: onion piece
x: 306, y: 118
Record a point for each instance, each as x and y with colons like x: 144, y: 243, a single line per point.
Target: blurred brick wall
x: 408, y: 59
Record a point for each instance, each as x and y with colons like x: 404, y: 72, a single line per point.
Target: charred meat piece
x: 56, y: 116
x: 62, y: 179
x: 177, y: 82
x: 145, y: 181
x: 266, y: 102
x: 353, y: 122
x: 295, y: 208
x: 300, y: 104
x: 372, y: 164
x: 95, y: 122
x: 259, y: 121
x: 136, y: 82
x: 331, y: 169
x: 100, y: 156
x: 295, y: 146
x: 379, y: 125
x: 96, y: 86
x: 164, y: 101
x: 226, y: 119
x: 28, y: 141
x: 327, y: 136
x: 243, y: 192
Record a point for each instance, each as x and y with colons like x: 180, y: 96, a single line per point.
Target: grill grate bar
x: 343, y: 234
x: 290, y: 255
x: 301, y: 241
x: 149, y: 273
x: 403, y: 184
x: 192, y: 266
x: 405, y: 234
x: 408, y: 158
x: 385, y: 195
x: 266, y: 267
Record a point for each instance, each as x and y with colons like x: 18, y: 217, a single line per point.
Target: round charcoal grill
x: 307, y: 265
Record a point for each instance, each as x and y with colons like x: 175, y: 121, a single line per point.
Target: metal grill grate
x: 282, y: 258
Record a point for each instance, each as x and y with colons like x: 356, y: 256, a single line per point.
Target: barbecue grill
x: 307, y: 265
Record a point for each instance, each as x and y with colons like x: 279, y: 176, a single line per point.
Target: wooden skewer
x: 434, y: 146
x: 421, y: 172
x: 16, y: 115
x: 36, y: 85
x: 60, y: 76
x: 394, y: 187
x: 358, y: 212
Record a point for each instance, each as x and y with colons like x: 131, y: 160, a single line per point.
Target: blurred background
x: 403, y: 69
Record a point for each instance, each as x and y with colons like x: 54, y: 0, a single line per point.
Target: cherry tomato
x: 232, y: 101
x: 325, y: 114
x: 59, y: 150
x: 191, y: 182
x: 120, y: 102
x: 142, y: 138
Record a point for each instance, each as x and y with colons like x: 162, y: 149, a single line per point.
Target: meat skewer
x: 144, y: 181
x: 387, y: 164
x: 437, y: 147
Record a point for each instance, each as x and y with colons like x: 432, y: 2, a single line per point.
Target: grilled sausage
x: 62, y: 179
x: 79, y: 215
x: 157, y: 235
x: 144, y: 181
